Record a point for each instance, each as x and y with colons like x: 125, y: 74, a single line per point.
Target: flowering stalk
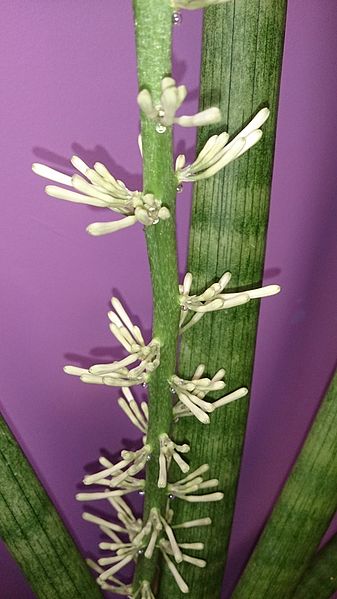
x: 153, y: 25
x: 153, y: 364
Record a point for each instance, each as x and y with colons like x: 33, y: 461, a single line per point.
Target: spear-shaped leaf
x: 34, y: 533
x: 320, y: 578
x: 242, y: 52
x: 301, y: 515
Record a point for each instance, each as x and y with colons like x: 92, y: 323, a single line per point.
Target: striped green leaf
x: 34, y: 532
x: 241, y: 64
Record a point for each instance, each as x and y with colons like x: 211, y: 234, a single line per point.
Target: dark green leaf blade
x: 242, y: 53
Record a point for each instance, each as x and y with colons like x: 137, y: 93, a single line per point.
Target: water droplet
x: 180, y: 188
x: 144, y: 385
x: 172, y: 496
x: 173, y: 391
x: 140, y: 551
x: 184, y: 308
x: 156, y: 221
x: 141, y: 492
x: 177, y: 18
x: 148, y: 458
x: 160, y: 128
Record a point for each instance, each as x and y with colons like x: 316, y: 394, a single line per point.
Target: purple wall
x: 69, y: 85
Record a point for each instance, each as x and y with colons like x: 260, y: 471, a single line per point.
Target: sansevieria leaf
x: 241, y: 65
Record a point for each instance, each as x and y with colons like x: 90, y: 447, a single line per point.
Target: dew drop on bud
x: 177, y: 18
x: 141, y: 492
x: 180, y: 188
x: 140, y: 551
x: 171, y: 496
x: 160, y: 128
x: 144, y: 385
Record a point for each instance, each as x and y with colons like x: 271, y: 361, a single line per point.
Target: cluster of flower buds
x: 213, y: 299
x: 144, y: 591
x: 130, y: 525
x: 195, y: 4
x: 101, y: 189
x: 131, y: 538
x: 163, y: 113
x: 113, y: 584
x: 167, y: 551
x: 192, y: 483
x: 117, y: 373
x: 126, y: 551
x: 217, y: 152
x: 169, y: 450
x: 191, y: 394
x: 138, y: 416
x: 120, y: 477
x: 141, y: 539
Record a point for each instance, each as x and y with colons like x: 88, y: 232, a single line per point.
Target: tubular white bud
x: 217, y: 152
x: 164, y: 113
x: 213, y: 299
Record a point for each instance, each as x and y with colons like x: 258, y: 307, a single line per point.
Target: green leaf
x: 320, y: 578
x: 301, y: 515
x: 34, y: 532
x: 242, y: 52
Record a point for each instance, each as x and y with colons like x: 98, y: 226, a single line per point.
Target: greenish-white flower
x: 138, y: 416
x: 168, y: 450
x: 213, y: 298
x: 217, y: 152
x: 163, y: 112
x: 118, y: 374
x: 142, y: 538
x: 191, y: 394
x: 120, y: 478
x: 97, y: 187
x: 195, y: 4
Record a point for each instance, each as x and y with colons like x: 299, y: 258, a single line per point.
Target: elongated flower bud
x: 218, y: 153
x: 213, y: 299
x: 164, y: 113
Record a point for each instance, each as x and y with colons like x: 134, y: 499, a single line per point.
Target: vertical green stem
x: 34, y: 533
x: 153, y: 23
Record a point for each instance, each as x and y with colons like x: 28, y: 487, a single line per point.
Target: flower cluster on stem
x: 213, y: 298
x: 100, y: 189
x: 117, y: 374
x: 164, y: 113
x: 218, y: 153
x: 195, y: 4
x: 191, y: 394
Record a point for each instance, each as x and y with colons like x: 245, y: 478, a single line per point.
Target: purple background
x: 69, y: 85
